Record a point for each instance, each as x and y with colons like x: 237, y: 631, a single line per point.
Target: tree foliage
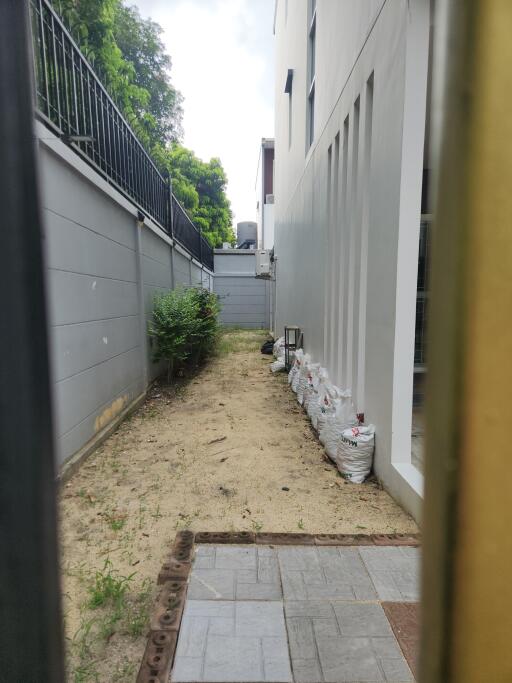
x: 128, y: 54
x: 200, y: 187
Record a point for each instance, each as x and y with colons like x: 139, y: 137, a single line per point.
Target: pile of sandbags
x: 349, y: 444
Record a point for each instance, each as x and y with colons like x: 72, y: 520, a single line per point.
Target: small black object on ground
x: 268, y: 347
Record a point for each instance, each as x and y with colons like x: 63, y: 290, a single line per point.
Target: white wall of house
x: 264, y: 203
x: 347, y: 208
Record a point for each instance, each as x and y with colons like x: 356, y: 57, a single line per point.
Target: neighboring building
x: 265, y: 194
x: 246, y: 235
x: 352, y: 86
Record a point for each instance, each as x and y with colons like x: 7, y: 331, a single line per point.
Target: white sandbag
x: 278, y: 365
x: 311, y: 394
x: 278, y: 348
x: 354, y: 456
x: 311, y: 378
x: 299, y: 355
x: 301, y: 371
x: 343, y: 418
x: 325, y: 407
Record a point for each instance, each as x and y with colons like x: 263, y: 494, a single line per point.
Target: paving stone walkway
x: 294, y: 614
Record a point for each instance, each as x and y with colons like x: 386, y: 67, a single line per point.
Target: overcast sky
x: 223, y: 63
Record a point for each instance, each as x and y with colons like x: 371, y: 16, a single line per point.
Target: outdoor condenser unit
x: 262, y: 263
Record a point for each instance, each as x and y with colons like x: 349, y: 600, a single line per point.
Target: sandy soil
x: 210, y: 454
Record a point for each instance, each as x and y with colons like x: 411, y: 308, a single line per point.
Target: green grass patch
x: 237, y: 340
x: 108, y: 586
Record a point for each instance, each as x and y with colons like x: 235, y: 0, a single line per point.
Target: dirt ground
x: 228, y: 450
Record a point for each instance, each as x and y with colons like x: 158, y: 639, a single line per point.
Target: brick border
x: 174, y: 576
x: 278, y: 538
x: 166, y: 616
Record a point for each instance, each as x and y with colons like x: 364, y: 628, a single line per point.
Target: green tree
x: 140, y: 43
x: 128, y: 54
x: 200, y: 186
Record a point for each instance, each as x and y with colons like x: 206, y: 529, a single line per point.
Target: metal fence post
x: 171, y: 208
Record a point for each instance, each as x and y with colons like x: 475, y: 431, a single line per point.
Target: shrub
x: 184, y: 326
x: 207, y: 327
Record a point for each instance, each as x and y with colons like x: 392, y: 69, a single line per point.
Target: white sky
x: 222, y: 55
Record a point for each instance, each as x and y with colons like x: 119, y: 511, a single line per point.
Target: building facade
x: 352, y: 84
x: 265, y: 194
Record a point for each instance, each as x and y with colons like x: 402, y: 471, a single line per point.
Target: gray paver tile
x: 309, y: 608
x: 235, y: 557
x: 361, y: 619
x: 212, y: 584
x: 206, y: 562
x: 394, y: 572
x: 209, y: 608
x: 241, y: 573
x: 258, y: 591
x: 268, y: 569
x: 326, y: 627
x: 192, y: 640
x: 298, y: 558
x: 246, y: 576
x: 233, y: 659
x: 330, y: 574
x: 259, y: 619
x: 276, y: 660
x: 204, y: 557
x: 293, y: 585
x: 187, y: 669
x: 386, y: 648
x: 348, y: 659
x: 232, y: 641
x: 220, y: 626
x: 330, y: 591
x: 205, y: 550
x: 307, y: 671
x: 396, y: 670
x: 301, y: 638
x: 342, y: 642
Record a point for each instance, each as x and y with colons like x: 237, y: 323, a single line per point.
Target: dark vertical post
x: 30, y: 623
x: 171, y: 209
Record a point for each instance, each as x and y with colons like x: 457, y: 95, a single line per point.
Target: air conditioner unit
x: 263, y: 263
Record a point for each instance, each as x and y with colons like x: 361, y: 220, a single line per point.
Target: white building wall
x: 347, y: 210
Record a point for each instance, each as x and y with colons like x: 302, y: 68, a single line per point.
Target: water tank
x: 247, y: 234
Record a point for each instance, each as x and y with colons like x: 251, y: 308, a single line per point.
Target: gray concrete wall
x: 103, y: 272
x: 245, y: 299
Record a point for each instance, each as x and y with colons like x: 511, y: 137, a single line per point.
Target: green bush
x: 184, y: 326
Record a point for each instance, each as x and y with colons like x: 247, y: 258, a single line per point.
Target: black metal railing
x: 72, y: 101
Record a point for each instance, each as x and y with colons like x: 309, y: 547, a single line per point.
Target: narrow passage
x: 228, y: 450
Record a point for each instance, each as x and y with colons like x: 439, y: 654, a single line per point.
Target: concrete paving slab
x: 394, y: 572
x: 326, y: 573
x: 232, y: 641
x: 306, y: 614
x: 235, y: 573
x: 343, y: 642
